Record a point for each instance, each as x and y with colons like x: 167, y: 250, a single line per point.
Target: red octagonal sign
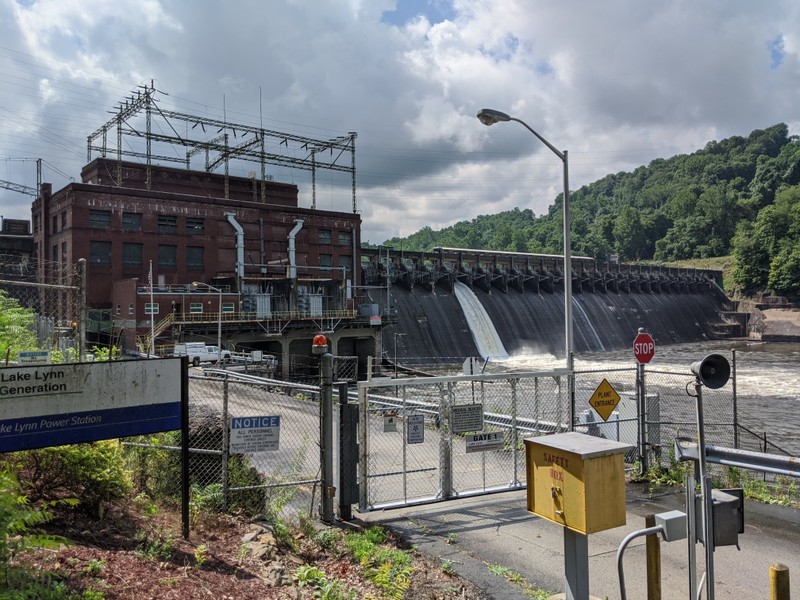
x: 644, y: 348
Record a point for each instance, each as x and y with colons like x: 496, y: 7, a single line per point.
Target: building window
x: 119, y: 309
x: 100, y: 253
x: 55, y: 224
x: 168, y: 257
x: 345, y: 238
x: 195, y: 258
x: 167, y: 224
x: 130, y: 309
x: 228, y: 307
x: 100, y: 219
x: 196, y: 308
x: 151, y: 309
x: 131, y: 221
x: 325, y: 236
x: 346, y: 260
x: 195, y: 226
x: 326, y: 260
x: 64, y: 220
x: 64, y: 255
x: 131, y: 255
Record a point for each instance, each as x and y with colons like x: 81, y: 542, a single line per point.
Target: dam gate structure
x: 523, y: 295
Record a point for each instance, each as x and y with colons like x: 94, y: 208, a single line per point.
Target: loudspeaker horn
x: 713, y: 371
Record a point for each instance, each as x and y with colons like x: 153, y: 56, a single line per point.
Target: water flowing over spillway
x: 483, y: 330
x: 437, y: 329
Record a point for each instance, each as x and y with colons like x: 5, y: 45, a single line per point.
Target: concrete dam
x: 433, y: 316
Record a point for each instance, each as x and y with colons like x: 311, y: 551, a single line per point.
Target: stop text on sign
x: 644, y: 348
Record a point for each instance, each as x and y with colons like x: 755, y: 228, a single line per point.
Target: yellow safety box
x: 577, y: 480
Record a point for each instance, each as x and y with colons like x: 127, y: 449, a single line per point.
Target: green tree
x: 17, y: 328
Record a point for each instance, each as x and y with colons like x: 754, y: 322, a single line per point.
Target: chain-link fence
x: 423, y: 440
x: 43, y: 306
x: 670, y: 412
x: 281, y: 481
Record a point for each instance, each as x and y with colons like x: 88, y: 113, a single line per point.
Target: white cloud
x: 617, y: 83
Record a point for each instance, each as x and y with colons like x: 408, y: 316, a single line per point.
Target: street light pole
x: 488, y: 116
x: 219, y: 318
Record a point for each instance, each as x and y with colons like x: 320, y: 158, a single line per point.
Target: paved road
x: 497, y: 530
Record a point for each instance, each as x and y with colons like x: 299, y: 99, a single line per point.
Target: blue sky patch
x: 436, y: 11
x: 777, y: 52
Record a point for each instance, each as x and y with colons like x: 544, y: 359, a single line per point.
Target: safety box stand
x: 577, y: 481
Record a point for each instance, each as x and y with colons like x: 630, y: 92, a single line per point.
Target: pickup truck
x: 198, y: 352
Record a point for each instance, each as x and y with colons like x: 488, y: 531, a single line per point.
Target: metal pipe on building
x: 239, y: 244
x: 298, y: 225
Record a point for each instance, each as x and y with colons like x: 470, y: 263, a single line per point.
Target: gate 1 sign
x: 52, y: 405
x: 644, y: 348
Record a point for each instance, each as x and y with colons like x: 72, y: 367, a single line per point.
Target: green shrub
x: 18, y: 534
x: 155, y: 471
x: 94, y: 473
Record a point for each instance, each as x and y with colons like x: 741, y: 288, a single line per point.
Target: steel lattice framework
x: 218, y: 150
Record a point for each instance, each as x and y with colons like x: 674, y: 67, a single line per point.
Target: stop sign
x: 644, y: 348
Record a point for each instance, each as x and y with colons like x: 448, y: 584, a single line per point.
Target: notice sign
x: 34, y: 357
x: 254, y: 434
x: 389, y: 422
x: 482, y: 442
x: 604, y: 400
x: 415, y: 434
x: 466, y: 417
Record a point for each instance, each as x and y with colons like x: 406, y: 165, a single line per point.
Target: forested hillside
x: 738, y: 196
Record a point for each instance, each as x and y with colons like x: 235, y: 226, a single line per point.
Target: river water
x: 767, y: 379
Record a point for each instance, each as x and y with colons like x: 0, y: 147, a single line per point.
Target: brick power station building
x: 172, y: 252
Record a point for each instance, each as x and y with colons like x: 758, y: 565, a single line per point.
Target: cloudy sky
x: 617, y: 83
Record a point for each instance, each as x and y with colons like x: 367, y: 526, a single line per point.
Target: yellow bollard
x: 778, y: 582
x: 653, y: 549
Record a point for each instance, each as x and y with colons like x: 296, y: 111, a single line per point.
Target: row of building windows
x: 132, y: 221
x: 326, y: 260
x: 345, y: 238
x: 154, y: 308
x: 100, y: 254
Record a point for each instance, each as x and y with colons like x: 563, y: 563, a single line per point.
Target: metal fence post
x: 83, y: 313
x: 363, y: 427
x: 514, y: 431
x: 445, y: 441
x: 225, y: 444
x: 326, y: 430
x: 348, y: 454
x: 641, y: 437
x: 735, y: 408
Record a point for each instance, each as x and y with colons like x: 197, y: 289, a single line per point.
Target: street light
x: 487, y: 116
x: 219, y: 318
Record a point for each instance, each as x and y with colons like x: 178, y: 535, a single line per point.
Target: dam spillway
x: 523, y: 295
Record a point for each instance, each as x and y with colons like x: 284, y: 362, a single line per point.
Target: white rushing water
x: 483, y: 331
x: 767, y: 375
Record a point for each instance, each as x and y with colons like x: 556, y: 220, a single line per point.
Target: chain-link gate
x: 414, y: 447
x: 44, y: 306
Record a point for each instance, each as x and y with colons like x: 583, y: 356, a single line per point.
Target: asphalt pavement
x: 474, y: 534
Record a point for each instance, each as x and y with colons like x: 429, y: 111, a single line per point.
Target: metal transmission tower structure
x: 253, y: 144
x: 24, y: 189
